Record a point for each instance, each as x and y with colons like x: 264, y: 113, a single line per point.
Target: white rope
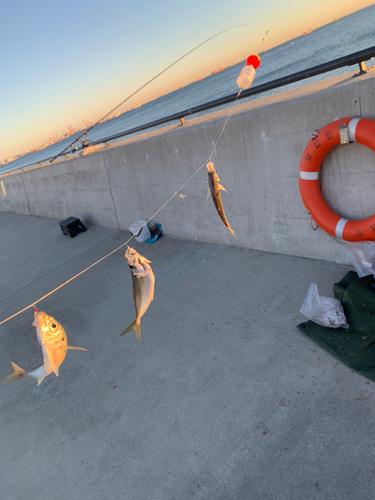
x: 124, y: 244
x: 173, y: 195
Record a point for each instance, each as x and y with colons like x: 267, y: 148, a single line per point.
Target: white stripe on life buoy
x: 351, y: 129
x: 340, y: 228
x: 309, y: 176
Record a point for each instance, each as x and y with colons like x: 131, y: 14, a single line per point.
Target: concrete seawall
x: 257, y: 160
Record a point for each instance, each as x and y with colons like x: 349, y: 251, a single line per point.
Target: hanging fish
x: 215, y: 188
x: 142, y: 288
x: 52, y: 337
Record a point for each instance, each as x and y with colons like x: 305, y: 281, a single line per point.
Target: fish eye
x: 53, y: 326
x: 131, y: 267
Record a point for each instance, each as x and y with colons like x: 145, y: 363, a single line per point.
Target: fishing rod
x: 169, y: 199
x: 145, y: 85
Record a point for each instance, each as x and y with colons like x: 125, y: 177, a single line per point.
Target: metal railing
x: 350, y: 60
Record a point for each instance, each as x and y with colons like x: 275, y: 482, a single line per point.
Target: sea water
x: 339, y: 38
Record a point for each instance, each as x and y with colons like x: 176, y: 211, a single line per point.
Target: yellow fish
x: 52, y: 337
x: 142, y: 289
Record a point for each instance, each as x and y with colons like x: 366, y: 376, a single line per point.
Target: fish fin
x: 38, y: 373
x: 143, y: 260
x: 231, y: 230
x: 76, y: 348
x: 222, y: 188
x: 46, y: 361
x: 133, y: 291
x: 17, y: 369
x: 208, y: 193
x: 40, y: 380
x: 18, y: 373
x: 56, y: 370
x: 136, y: 327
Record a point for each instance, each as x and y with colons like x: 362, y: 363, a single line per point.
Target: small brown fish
x: 215, y: 188
x: 142, y: 289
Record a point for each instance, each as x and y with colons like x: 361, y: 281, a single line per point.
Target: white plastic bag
x: 246, y: 77
x: 324, y: 311
x: 362, y: 256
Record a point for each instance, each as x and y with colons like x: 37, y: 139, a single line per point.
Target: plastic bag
x: 324, y: 311
x: 246, y: 77
x: 362, y: 256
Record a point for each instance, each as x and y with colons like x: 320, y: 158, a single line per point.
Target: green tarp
x: 356, y: 346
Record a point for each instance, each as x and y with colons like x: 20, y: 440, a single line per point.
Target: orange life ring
x: 361, y: 130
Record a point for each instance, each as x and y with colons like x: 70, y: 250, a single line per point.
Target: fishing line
x: 112, y: 252
x: 124, y: 244
x: 161, y: 208
x: 145, y: 85
x: 225, y: 124
x: 271, y: 22
x: 100, y: 260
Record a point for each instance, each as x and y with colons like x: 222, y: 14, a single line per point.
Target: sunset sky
x: 68, y: 61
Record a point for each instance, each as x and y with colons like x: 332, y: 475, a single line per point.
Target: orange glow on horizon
x: 91, y: 98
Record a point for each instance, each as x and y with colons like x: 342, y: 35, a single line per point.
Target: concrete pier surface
x: 223, y: 398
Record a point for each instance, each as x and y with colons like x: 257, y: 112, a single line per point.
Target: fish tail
x: 231, y: 230
x: 18, y: 373
x: 136, y: 326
